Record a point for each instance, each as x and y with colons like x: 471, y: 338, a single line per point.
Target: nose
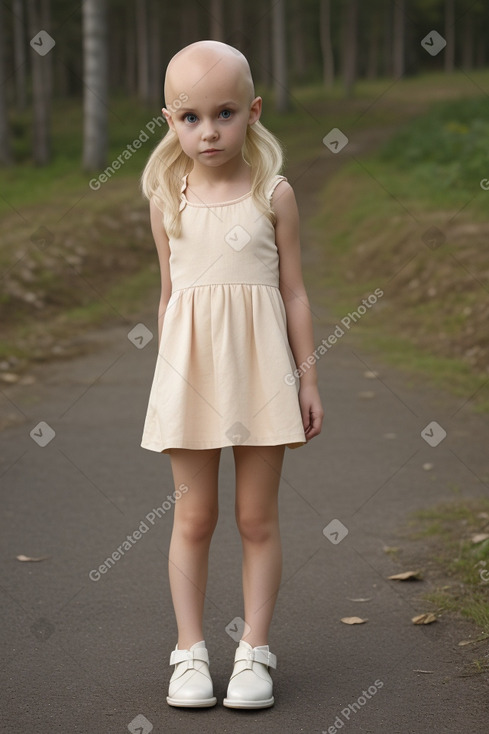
x: 209, y: 131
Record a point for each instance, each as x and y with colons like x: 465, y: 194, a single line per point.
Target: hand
x: 311, y: 410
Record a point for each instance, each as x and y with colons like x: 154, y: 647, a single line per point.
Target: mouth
x: 211, y: 150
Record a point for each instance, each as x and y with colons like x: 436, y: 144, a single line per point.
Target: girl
x: 234, y: 322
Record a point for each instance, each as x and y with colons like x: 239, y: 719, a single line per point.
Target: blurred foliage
x: 450, y: 144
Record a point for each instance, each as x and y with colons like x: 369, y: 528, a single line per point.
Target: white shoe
x: 191, y: 683
x: 250, y: 685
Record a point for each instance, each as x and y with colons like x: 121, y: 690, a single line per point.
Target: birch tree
x: 95, y: 84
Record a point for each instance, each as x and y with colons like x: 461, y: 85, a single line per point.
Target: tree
x: 216, y: 19
x: 95, y: 84
x: 38, y: 20
x: 280, y: 77
x: 142, y: 49
x: 5, y: 149
x: 349, y: 45
x: 398, y: 39
x: 450, y: 35
x: 326, y: 42
x: 19, y: 54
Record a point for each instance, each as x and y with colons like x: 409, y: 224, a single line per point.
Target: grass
x: 448, y: 529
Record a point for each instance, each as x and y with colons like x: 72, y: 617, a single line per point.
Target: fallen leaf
x: 390, y: 549
x: 427, y: 466
x: 353, y: 620
x: 480, y: 638
x: 426, y: 618
x: 479, y: 537
x: 9, y: 377
x: 406, y: 576
x: 369, y: 598
x: 423, y: 671
x: 29, y: 558
x: 371, y: 375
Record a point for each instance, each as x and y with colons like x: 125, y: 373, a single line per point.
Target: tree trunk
x: 95, y: 84
x: 373, y: 47
x: 155, y: 69
x: 41, y: 101
x: 279, y: 56
x: 142, y: 50
x: 189, y: 23
x: 237, y: 36
x: 19, y: 54
x: 130, y: 52
x: 350, y: 14
x: 264, y: 71
x: 299, y: 60
x: 449, y: 49
x: 216, y: 20
x: 398, y: 39
x: 5, y: 149
x: 326, y: 42
x: 387, y: 38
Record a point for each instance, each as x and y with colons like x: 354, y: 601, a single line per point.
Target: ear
x: 255, y: 110
x: 168, y: 118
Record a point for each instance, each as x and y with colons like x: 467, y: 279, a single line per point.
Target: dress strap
x: 274, y: 185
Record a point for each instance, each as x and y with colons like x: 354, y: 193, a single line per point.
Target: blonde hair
x: 168, y: 164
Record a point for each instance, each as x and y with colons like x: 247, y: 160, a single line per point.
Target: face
x: 211, y: 124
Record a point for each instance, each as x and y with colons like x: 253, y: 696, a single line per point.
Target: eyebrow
x: 230, y: 103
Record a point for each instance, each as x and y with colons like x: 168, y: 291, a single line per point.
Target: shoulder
x: 283, y: 200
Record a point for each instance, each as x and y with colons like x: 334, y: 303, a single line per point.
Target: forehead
x: 206, y: 81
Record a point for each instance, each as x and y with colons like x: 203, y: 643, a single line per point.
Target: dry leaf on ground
x: 426, y: 618
x: 361, y: 598
x: 406, y: 576
x: 353, y: 620
x: 479, y: 537
x: 29, y: 558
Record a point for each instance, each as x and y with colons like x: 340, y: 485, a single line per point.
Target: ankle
x: 255, y: 642
x: 185, y: 643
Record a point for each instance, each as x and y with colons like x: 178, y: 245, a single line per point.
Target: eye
x: 190, y: 117
x: 226, y: 114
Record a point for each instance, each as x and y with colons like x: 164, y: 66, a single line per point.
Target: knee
x: 256, y: 527
x: 197, y: 527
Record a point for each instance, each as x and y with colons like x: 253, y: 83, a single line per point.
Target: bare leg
x: 258, y: 470
x: 196, y: 513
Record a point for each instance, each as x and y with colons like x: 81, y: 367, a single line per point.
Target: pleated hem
x: 291, y: 442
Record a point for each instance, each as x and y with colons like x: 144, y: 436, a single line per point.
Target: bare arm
x: 163, y: 249
x: 292, y: 289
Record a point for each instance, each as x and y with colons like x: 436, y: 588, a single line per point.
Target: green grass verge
x: 449, y: 529
x: 369, y: 232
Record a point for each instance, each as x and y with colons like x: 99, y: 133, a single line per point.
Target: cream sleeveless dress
x: 223, y: 374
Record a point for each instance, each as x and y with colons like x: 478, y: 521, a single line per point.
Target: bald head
x: 208, y: 67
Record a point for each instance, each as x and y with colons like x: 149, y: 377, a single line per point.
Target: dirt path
x: 87, y: 652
